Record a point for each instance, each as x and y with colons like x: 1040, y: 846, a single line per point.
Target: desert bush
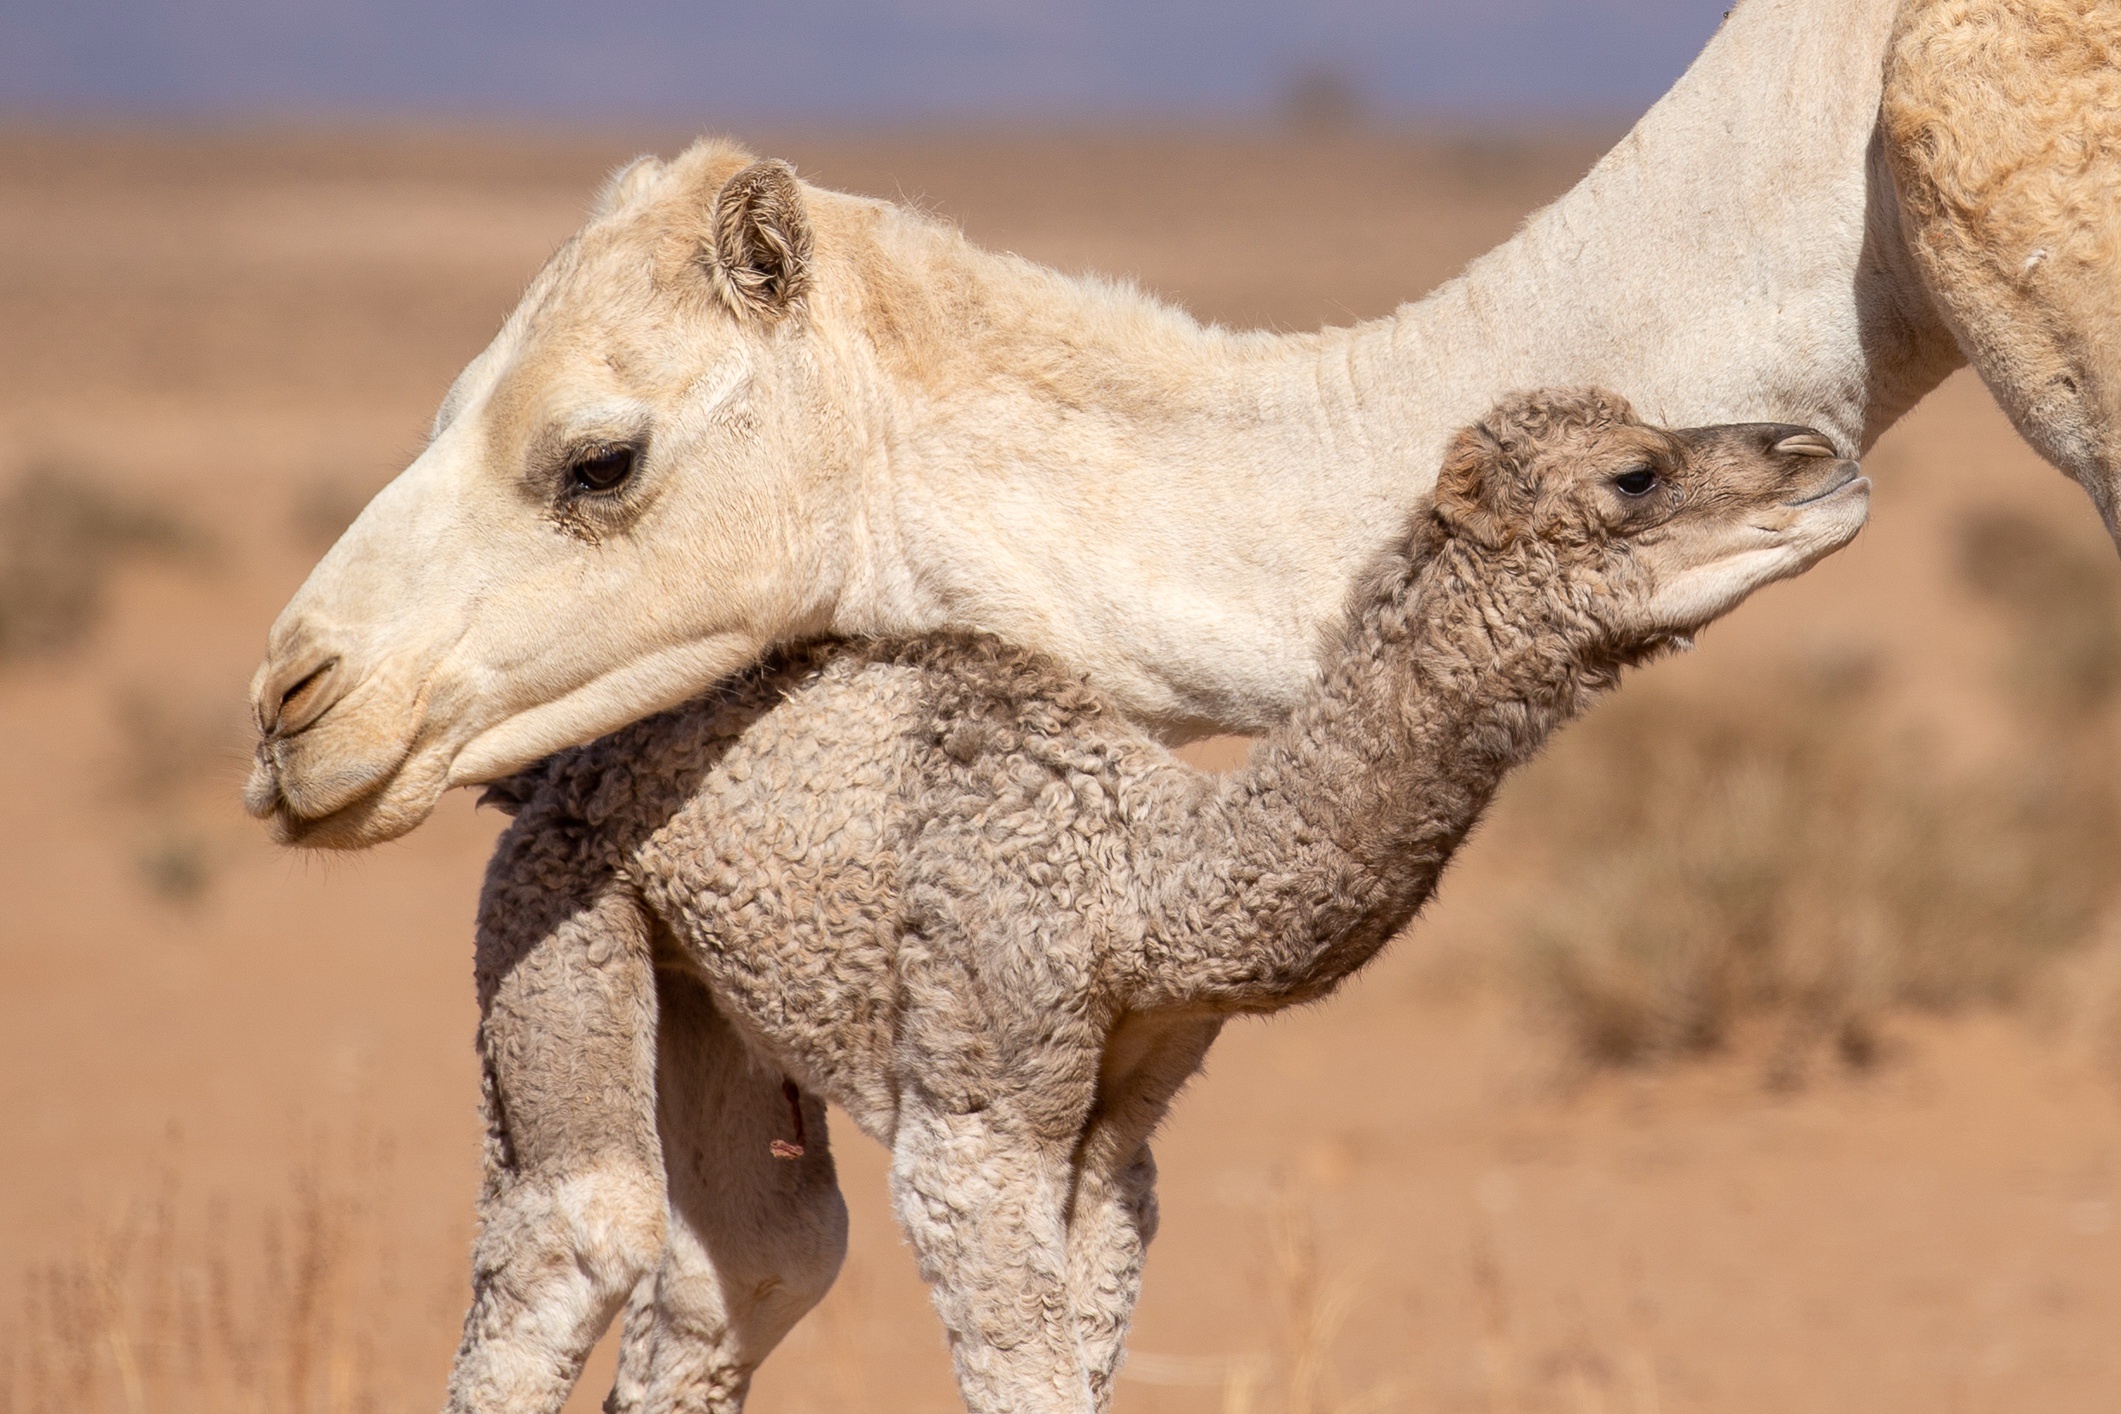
x: 1794, y: 852
x: 61, y: 536
x: 171, y: 748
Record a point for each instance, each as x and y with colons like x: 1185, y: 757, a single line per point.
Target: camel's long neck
x: 1179, y: 511
x: 1738, y: 257
x: 1334, y: 835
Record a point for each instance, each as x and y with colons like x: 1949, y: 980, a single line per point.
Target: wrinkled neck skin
x: 1296, y: 870
x: 1184, y: 523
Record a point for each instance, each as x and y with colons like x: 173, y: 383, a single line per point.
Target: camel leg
x: 571, y: 1216
x: 1109, y: 1232
x: 756, y: 1237
x: 629, y: 1383
x: 2002, y: 126
x: 1114, y: 1215
x: 984, y: 1203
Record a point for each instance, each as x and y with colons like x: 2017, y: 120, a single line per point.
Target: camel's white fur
x: 857, y: 422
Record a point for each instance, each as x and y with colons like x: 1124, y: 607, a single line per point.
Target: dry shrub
x: 1795, y: 853
x: 171, y: 748
x: 159, y: 1314
x: 62, y: 535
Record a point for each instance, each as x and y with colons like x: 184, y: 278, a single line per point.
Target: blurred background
x: 838, y: 61
x: 1761, y: 1054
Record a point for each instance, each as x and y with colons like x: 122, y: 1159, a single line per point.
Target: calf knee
x: 606, y: 1223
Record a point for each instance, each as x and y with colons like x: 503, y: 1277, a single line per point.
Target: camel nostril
x: 1805, y: 444
x: 306, y: 684
x: 304, y: 700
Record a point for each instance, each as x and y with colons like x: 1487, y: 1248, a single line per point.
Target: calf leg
x: 985, y: 1206
x: 757, y: 1225
x: 571, y: 1215
x: 629, y: 1383
x: 1108, y: 1236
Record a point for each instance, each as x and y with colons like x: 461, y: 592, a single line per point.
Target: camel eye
x: 606, y: 471
x: 1637, y: 481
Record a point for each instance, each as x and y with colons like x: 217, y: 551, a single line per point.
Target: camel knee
x: 714, y: 1324
x: 607, y: 1225
x: 748, y: 1289
x: 616, y: 1223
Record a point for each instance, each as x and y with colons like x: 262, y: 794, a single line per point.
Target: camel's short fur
x: 945, y: 884
x: 2003, y: 120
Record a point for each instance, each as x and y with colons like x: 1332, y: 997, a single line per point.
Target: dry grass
x: 168, y: 1310
x: 1300, y: 1376
x: 1794, y: 854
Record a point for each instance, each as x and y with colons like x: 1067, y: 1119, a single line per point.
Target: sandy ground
x: 1406, y: 1193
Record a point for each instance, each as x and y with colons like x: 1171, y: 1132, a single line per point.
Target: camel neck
x: 1737, y: 257
x: 1454, y: 669
x: 1179, y: 510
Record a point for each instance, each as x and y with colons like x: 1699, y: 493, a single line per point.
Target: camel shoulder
x: 2002, y: 122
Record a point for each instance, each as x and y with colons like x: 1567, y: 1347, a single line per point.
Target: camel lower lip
x: 385, y: 806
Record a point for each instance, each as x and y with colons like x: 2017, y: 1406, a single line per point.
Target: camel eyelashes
x: 1636, y: 481
x: 605, y: 470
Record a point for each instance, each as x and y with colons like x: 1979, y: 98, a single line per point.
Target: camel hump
x: 2001, y: 122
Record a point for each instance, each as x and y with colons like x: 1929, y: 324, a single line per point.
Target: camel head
x: 651, y: 420
x: 1660, y: 531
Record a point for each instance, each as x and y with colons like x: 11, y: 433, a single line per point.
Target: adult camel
x: 737, y: 410
x: 848, y: 420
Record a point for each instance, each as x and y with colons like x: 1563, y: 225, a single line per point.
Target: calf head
x: 1659, y: 531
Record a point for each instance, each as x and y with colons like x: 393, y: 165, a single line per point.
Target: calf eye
x: 605, y: 471
x: 1639, y: 481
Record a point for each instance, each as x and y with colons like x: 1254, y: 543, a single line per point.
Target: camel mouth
x: 358, y: 785
x: 1850, y: 479
x: 393, y: 806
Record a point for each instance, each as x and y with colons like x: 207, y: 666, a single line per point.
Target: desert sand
x: 238, y: 1102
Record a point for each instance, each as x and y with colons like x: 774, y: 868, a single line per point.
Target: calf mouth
x: 1847, y: 476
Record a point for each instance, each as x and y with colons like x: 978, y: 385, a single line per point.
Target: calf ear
x: 1473, y: 486
x: 761, y: 256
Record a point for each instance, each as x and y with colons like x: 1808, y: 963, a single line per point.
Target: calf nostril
x: 1805, y: 444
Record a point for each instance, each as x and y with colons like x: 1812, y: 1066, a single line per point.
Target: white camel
x: 736, y: 410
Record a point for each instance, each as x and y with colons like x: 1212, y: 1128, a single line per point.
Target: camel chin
x: 1806, y: 533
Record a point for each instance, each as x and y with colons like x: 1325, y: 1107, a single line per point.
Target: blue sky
x: 834, y: 60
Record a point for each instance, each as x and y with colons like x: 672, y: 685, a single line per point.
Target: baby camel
x: 946, y: 885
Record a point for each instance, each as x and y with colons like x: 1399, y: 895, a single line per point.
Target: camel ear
x: 761, y: 256
x: 1472, y: 488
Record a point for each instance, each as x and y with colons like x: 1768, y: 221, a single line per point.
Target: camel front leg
x: 757, y: 1228
x: 571, y: 1215
x: 2002, y: 126
x: 984, y: 1203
